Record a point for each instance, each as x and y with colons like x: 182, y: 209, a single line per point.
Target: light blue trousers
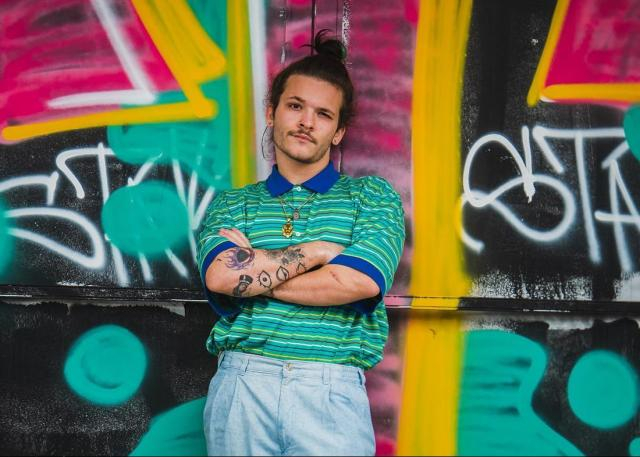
x: 263, y: 406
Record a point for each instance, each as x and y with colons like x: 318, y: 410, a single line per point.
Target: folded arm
x: 245, y: 272
x: 330, y: 285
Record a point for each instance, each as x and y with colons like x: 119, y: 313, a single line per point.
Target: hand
x: 235, y: 236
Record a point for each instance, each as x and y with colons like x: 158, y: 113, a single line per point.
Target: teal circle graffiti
x: 603, y: 389
x: 634, y: 447
x: 631, y: 126
x: 106, y: 365
x: 145, y: 219
x: 6, y: 242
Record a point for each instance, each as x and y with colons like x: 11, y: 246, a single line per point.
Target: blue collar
x: 322, y: 182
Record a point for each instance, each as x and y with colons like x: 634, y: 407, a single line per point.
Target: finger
x: 243, y: 239
x: 228, y: 234
x: 242, y: 236
x: 237, y: 236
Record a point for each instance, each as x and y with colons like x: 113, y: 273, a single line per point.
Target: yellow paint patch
x: 428, y: 415
x: 430, y: 386
x: 145, y: 115
x: 540, y: 77
x: 186, y: 48
x: 241, y: 94
x: 621, y: 92
x: 437, y: 93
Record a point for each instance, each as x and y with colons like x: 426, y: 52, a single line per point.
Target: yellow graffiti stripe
x: 176, y: 33
x: 540, y: 77
x: 437, y: 93
x: 240, y: 94
x: 430, y: 384
x: 176, y: 112
x: 428, y: 414
x: 619, y: 92
x: 191, y: 56
x: 202, y: 59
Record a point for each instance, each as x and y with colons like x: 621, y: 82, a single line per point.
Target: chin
x: 303, y: 156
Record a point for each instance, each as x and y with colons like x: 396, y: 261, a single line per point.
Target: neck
x: 298, y: 172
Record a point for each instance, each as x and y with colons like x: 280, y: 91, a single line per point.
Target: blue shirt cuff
x: 221, y: 304
x: 366, y: 305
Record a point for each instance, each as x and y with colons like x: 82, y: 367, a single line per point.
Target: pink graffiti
x: 59, y: 48
x: 381, y: 48
x: 411, y: 9
x: 599, y: 43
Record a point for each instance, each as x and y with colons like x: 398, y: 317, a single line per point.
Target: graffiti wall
x: 510, y: 129
x: 118, y: 123
x: 523, y: 200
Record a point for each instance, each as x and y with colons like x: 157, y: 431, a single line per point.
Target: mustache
x: 303, y: 133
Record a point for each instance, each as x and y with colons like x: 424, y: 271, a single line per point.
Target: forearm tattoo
x: 285, y: 256
x: 282, y: 274
x: 243, y: 258
x: 288, y: 256
x: 240, y: 258
x: 243, y: 284
x: 265, y: 279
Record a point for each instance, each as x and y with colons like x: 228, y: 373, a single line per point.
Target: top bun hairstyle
x: 327, y: 63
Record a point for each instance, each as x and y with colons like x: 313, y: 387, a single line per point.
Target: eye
x: 295, y: 106
x: 327, y: 115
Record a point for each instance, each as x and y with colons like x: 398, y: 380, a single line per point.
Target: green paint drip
x: 499, y: 376
x: 603, y: 389
x: 176, y: 432
x: 634, y: 447
x: 6, y: 241
x: 631, y: 126
x: 147, y: 218
x: 106, y: 365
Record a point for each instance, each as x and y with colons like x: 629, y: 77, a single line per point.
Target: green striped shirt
x: 363, y: 214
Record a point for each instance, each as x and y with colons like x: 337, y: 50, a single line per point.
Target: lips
x: 302, y: 136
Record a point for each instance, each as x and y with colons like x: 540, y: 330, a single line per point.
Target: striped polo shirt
x: 363, y: 214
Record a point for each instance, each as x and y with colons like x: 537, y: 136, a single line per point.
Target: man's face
x: 305, y: 123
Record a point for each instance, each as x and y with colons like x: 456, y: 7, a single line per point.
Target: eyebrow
x: 302, y: 100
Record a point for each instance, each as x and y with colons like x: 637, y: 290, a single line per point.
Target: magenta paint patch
x: 61, y: 48
x: 599, y: 43
x: 300, y: 39
x: 411, y: 11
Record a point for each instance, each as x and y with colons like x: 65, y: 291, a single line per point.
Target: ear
x: 337, y: 137
x: 269, y: 116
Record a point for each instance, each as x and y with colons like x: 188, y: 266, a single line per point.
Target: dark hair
x: 326, y: 64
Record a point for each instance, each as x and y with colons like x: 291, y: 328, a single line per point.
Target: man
x: 297, y: 267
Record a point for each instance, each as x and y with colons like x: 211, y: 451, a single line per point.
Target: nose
x: 306, y: 120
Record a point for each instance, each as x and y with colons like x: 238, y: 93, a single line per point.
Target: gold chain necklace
x: 287, y: 227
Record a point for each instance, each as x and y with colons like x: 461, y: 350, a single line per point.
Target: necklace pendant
x: 296, y: 215
x: 287, y: 229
